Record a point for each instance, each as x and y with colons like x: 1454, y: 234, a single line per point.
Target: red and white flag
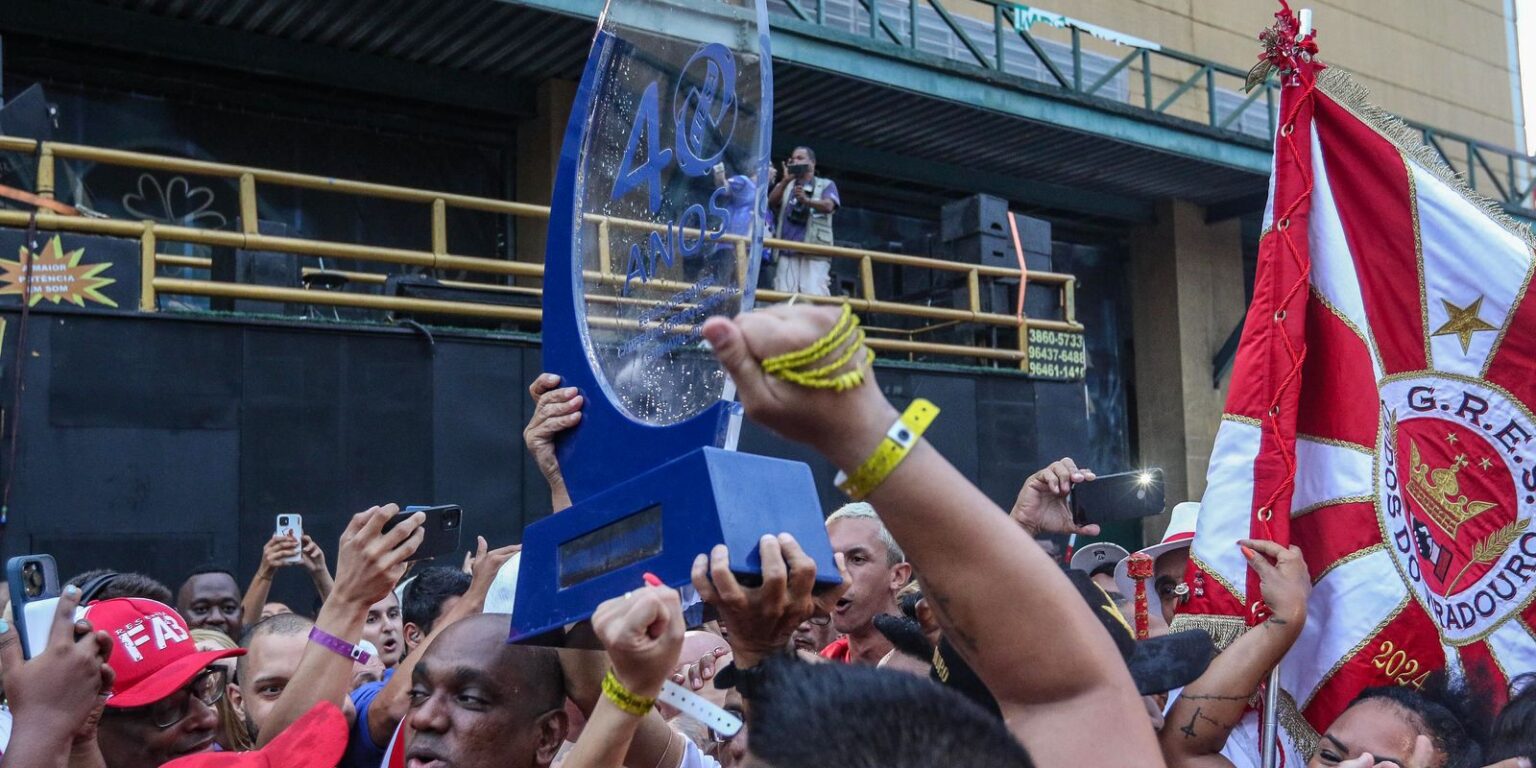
x: 1379, y: 417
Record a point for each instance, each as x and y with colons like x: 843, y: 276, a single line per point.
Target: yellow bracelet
x: 842, y: 382
x: 636, y: 705
x: 898, y: 442
x: 846, y: 322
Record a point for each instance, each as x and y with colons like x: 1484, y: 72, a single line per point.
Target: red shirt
x: 838, y: 651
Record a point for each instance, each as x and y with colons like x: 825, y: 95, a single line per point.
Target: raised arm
x: 274, y: 555
x: 319, y: 573
x: 643, y: 632
x: 964, y: 546
x: 368, y: 563
x: 1204, y: 715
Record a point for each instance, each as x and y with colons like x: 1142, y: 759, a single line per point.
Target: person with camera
x: 803, y: 204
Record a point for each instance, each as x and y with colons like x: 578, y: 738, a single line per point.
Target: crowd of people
x: 954, y: 639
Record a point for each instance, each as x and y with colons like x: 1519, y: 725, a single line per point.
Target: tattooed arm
x: 995, y: 591
x: 1205, y: 714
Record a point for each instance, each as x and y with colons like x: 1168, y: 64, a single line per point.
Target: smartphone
x: 442, y: 529
x: 292, y: 525
x: 796, y: 169
x: 34, y: 584
x: 1121, y: 496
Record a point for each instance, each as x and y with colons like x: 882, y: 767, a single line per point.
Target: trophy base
x: 658, y: 522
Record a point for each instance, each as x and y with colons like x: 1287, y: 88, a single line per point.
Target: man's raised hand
x: 555, y: 409
x: 762, y: 618
x: 369, y: 561
x: 643, y: 632
x: 1041, y: 506
x: 845, y: 426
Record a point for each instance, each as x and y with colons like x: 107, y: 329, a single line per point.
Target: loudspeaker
x: 974, y: 215
x: 238, y: 265
x: 987, y: 250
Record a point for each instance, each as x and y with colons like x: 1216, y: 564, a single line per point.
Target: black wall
x: 157, y: 443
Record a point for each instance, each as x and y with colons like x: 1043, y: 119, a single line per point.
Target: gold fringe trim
x: 1302, y: 734
x: 1354, y: 97
x: 1224, y: 630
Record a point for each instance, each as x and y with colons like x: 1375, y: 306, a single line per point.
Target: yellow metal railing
x: 152, y: 234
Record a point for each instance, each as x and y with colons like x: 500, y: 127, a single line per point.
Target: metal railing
x: 989, y: 37
x: 152, y: 235
x: 986, y: 36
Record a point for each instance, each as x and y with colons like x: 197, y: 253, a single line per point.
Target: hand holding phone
x: 59, y: 685
x: 371, y: 560
x: 1041, y: 507
x: 291, y: 526
x: 443, y: 529
x: 34, y: 584
x: 1121, y: 496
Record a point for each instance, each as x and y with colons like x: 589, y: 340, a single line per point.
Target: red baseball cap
x: 316, y: 740
x: 154, y: 654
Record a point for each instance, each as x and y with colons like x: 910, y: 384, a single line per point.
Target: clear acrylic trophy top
x: 669, y: 200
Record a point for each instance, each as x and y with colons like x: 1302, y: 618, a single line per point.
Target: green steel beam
x: 915, y: 71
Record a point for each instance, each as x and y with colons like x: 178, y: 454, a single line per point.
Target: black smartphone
x: 796, y: 169
x: 1121, y: 496
x: 34, y: 585
x: 443, y: 529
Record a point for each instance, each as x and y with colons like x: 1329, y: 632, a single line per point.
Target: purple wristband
x: 333, y: 643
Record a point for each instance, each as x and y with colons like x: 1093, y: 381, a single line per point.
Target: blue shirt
x: 362, y: 752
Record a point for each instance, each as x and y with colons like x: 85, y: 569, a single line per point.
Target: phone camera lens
x: 32, y: 579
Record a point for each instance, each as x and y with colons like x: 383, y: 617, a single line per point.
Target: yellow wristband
x: 898, y: 442
x: 636, y: 705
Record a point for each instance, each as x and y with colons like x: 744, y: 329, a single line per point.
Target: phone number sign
x: 1057, y: 355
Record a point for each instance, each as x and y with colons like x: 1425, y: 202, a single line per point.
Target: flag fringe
x: 1222, y: 629
x: 1338, y: 85
x: 1302, y: 734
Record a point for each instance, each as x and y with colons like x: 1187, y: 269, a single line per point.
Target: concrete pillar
x: 1187, y: 295
x: 538, y: 160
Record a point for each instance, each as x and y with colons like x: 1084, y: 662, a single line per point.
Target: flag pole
x: 1270, y: 733
x: 1271, y: 730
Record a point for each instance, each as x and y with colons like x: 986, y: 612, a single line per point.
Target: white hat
x: 1097, y: 555
x: 503, y: 592
x: 1180, y: 533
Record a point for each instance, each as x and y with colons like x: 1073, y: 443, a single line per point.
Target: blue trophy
x: 657, y: 224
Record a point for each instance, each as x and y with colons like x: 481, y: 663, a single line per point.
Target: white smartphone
x: 292, y: 525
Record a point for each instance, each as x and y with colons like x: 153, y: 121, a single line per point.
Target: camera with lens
x: 799, y: 211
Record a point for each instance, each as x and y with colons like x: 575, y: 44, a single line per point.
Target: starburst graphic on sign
x: 57, y: 276
x: 1463, y: 322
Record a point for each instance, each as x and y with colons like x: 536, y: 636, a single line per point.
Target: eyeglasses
x: 208, y: 687
x: 820, y: 619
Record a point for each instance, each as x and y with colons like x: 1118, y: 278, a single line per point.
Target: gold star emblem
x: 1450, y: 437
x: 1463, y: 322
x: 1484, y: 463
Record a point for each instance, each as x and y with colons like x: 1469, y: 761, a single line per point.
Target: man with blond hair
x: 877, y: 570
